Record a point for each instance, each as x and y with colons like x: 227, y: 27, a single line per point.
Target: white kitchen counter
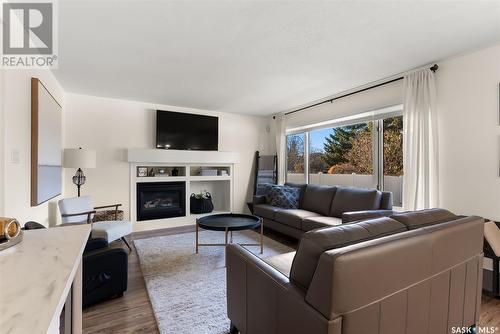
x: 36, y: 277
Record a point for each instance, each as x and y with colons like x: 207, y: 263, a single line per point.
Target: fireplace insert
x: 157, y: 200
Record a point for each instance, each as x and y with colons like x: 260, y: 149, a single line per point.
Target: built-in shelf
x: 210, y: 178
x: 161, y: 179
x: 196, y: 216
x: 200, y: 170
x: 139, y: 155
x: 160, y: 171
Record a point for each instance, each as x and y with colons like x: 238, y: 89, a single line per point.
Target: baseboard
x: 163, y: 231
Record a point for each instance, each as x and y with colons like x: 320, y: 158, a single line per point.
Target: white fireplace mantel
x: 138, y: 155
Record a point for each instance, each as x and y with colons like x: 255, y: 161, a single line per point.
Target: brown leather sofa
x: 418, y: 272
x: 323, y: 206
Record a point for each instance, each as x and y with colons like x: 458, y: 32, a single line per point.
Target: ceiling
x: 257, y: 57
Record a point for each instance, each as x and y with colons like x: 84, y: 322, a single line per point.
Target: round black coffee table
x: 229, y: 222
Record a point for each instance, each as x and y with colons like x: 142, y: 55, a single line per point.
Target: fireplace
x: 157, y: 200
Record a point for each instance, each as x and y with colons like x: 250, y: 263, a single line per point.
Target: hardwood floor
x: 490, y: 313
x: 133, y: 312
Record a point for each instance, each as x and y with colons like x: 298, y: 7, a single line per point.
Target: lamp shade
x: 79, y: 158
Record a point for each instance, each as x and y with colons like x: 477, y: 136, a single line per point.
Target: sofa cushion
x: 293, y: 217
x: 111, y: 230
x: 354, y: 199
x: 318, y: 198
x: 312, y: 223
x: 416, y: 219
x: 265, y: 210
x: 281, y: 262
x: 314, y: 243
x: 284, y: 197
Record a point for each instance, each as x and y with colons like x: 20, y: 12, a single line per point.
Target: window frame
x: 376, y: 116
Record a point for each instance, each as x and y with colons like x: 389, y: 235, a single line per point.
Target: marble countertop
x: 36, y: 276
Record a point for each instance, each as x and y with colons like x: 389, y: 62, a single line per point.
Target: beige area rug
x: 188, y: 291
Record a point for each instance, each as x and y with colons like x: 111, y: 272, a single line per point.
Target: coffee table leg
x: 261, y: 236
x: 227, y: 230
x: 196, y: 236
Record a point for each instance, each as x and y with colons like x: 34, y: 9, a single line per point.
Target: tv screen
x: 182, y: 131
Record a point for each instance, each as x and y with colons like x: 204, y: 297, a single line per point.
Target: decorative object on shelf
x: 142, y: 171
x: 79, y: 158
x: 208, y: 172
x: 201, y: 202
x: 46, y: 144
x: 175, y: 171
x: 161, y: 172
x: 10, y: 232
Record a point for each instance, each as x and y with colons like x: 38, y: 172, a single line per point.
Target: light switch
x: 14, y: 156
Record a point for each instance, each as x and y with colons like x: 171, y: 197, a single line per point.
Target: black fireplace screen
x: 157, y: 200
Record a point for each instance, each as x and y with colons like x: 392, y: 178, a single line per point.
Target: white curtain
x: 280, y: 124
x: 420, y: 154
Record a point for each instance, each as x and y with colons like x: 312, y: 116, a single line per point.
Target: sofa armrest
x: 259, y: 199
x: 95, y: 243
x: 348, y: 217
x: 261, y: 299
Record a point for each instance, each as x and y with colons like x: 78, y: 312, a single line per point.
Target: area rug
x: 188, y: 290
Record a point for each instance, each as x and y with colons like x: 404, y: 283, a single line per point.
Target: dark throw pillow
x: 284, y: 197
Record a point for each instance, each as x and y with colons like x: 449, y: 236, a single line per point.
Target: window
x: 295, y: 160
x: 362, y: 154
x: 342, y: 156
x: 393, y: 157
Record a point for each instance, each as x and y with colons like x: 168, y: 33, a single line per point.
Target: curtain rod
x: 433, y: 68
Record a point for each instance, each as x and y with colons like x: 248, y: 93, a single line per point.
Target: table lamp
x: 79, y: 158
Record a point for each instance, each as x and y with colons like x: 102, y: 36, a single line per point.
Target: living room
x: 252, y: 167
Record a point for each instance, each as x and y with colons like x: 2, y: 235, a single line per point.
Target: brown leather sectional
x: 417, y: 272
x: 323, y: 206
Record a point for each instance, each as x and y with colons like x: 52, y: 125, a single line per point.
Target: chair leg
x: 126, y: 243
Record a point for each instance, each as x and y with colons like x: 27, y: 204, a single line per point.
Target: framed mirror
x: 46, y: 144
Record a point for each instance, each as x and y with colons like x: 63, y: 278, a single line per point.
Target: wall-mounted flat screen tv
x: 183, y: 131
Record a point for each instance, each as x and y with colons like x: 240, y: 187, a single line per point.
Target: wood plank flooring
x: 133, y: 312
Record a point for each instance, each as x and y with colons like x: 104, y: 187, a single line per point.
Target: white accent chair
x: 78, y: 210
x: 492, y: 251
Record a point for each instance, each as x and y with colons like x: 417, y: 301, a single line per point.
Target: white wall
x: 110, y: 126
x: 469, y: 133
x: 17, y: 121
x: 372, y: 99
x: 2, y: 146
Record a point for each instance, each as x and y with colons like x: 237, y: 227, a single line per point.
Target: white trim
x: 306, y: 156
x: 180, y: 156
x: 346, y: 120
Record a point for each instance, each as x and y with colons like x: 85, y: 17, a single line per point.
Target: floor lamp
x: 79, y: 158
